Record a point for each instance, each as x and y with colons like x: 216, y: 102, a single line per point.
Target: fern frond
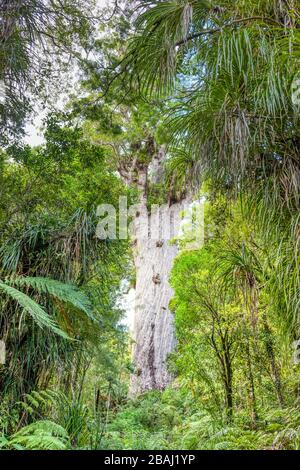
x: 37, y: 313
x: 41, y: 435
x: 59, y: 290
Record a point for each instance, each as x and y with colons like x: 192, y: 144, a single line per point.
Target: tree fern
x: 38, y: 314
x: 41, y: 435
x: 64, y: 292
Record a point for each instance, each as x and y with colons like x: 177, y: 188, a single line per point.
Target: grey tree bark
x: 154, y: 334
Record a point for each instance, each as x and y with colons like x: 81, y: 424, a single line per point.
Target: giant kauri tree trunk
x: 153, y: 334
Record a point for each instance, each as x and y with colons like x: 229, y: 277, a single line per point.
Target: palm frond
x: 153, y: 55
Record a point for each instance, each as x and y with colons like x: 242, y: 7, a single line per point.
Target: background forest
x: 216, y: 85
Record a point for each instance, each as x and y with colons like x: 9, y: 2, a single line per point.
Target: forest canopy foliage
x: 215, y: 84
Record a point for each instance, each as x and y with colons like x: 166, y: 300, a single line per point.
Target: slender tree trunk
x: 225, y: 361
x: 251, y: 387
x: 269, y: 343
x: 228, y: 386
x: 251, y: 308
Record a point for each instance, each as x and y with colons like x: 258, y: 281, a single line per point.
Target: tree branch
x: 217, y: 30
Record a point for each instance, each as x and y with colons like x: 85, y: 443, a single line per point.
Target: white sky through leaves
x: 33, y: 134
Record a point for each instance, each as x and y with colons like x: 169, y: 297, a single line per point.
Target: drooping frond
x: 64, y: 292
x: 38, y: 314
x: 153, y: 56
